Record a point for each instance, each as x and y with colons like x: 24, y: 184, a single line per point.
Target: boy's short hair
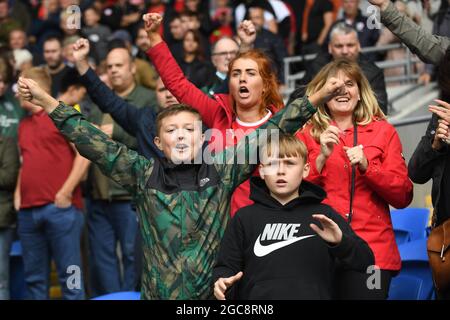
x: 287, y: 146
x: 70, y: 78
x: 41, y: 76
x: 173, y: 110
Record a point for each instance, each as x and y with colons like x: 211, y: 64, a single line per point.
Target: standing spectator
x: 354, y: 18
x: 97, y: 33
x: 193, y: 64
x: 55, y: 66
x: 49, y: 198
x: 431, y: 158
x: 9, y: 168
x: 344, y: 44
x: 10, y: 111
x: 6, y: 22
x: 222, y: 19
x: 111, y: 217
x: 241, y: 13
x: 349, y: 137
x: 316, y: 23
x: 270, y: 43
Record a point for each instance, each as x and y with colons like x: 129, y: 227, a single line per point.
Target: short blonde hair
x: 286, y: 145
x: 41, y: 76
x: 365, y: 111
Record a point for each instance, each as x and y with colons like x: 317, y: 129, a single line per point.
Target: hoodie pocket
x: 286, y: 289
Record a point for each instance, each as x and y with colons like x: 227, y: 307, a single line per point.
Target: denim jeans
x: 110, y: 223
x: 6, y: 235
x: 46, y: 232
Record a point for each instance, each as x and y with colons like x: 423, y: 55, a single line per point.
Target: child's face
x: 180, y: 137
x: 283, y: 176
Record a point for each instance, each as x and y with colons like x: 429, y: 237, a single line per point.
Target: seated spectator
x: 6, y: 22
x: 97, y: 33
x: 222, y: 18
x: 344, y: 44
x: 241, y: 12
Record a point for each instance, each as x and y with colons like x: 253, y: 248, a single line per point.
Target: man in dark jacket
x: 344, y: 43
x: 272, y: 247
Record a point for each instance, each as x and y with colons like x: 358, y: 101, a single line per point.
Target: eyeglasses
x: 226, y: 53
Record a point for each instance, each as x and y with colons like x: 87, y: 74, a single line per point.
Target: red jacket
x: 384, y: 183
x: 216, y: 113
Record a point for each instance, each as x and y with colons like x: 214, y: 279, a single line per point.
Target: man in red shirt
x: 49, y: 199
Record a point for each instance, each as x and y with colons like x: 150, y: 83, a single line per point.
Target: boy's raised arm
x: 113, y: 158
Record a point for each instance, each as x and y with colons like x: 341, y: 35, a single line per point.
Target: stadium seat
x: 17, y: 274
x: 405, y: 287
x: 415, y: 264
x: 410, y: 224
x: 129, y: 295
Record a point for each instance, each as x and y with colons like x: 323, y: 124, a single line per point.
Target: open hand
x: 330, y: 231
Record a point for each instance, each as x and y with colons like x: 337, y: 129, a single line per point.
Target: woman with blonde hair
x: 356, y: 155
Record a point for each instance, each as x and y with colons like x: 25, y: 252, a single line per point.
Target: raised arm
x: 124, y: 113
x: 173, y: 77
x: 113, y: 158
x: 430, y: 48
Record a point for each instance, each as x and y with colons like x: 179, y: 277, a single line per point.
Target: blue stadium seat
x: 17, y: 287
x: 410, y: 224
x: 415, y: 264
x: 129, y: 295
x: 404, y: 287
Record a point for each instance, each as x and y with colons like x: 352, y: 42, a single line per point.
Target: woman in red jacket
x: 381, y: 177
x: 252, y: 100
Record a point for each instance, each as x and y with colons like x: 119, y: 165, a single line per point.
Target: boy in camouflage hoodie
x: 183, y: 208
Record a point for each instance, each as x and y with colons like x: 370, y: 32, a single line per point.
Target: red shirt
x: 47, y: 160
x: 384, y: 183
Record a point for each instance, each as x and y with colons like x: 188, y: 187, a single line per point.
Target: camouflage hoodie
x: 181, y: 226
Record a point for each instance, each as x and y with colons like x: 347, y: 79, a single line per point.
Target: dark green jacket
x: 181, y: 227
x: 9, y: 168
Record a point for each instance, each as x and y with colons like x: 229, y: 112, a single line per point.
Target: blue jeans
x: 109, y: 223
x: 6, y: 235
x: 51, y: 231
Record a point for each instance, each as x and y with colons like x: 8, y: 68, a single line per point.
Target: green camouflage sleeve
x: 113, y: 158
x: 236, y: 164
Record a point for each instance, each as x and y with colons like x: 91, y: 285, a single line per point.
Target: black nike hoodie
x: 280, y: 255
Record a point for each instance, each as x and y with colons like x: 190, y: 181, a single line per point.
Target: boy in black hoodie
x: 274, y: 249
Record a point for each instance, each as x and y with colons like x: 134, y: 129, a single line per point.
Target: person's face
x: 17, y: 40
x: 192, y: 5
x: 190, y: 45
x: 246, y: 84
x: 91, y: 17
x: 68, y: 53
x: 165, y: 97
x: 180, y: 137
x: 120, y: 69
x: 345, y: 46
x: 345, y: 104
x: 67, y: 26
x: 224, y: 51
x: 142, y: 41
x: 283, y: 176
x: 256, y: 15
x: 76, y: 94
x: 53, y: 54
x: 4, y: 8
x: 350, y: 7
x: 177, y: 29
x: 3, y: 86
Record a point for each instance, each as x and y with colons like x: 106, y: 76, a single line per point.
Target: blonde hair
x: 367, y: 108
x: 286, y: 146
x: 41, y: 76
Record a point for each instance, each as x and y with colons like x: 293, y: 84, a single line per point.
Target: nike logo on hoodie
x: 277, y: 231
